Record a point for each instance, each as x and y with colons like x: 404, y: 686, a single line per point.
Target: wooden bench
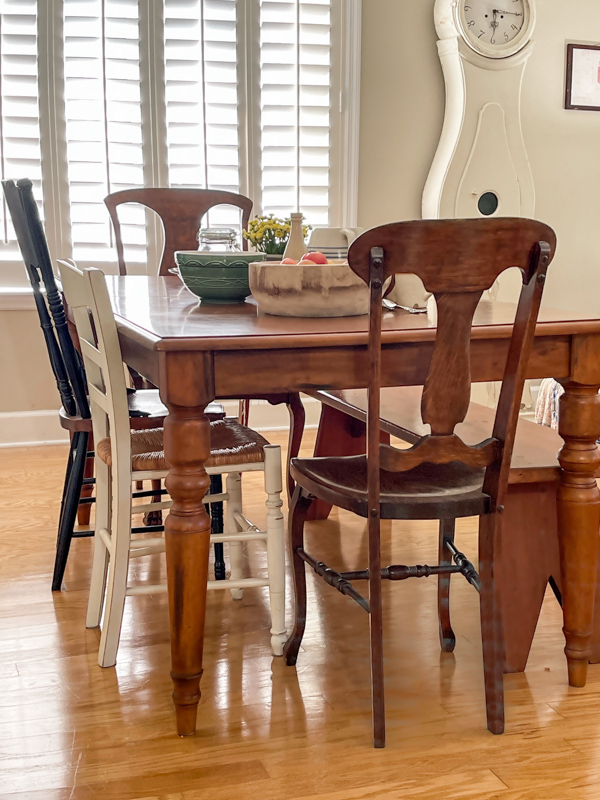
x: 529, y: 558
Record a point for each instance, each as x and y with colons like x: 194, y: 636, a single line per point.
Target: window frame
x: 344, y: 144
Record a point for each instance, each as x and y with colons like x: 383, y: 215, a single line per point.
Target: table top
x: 163, y: 315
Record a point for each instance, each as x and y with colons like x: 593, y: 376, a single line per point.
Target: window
x: 19, y: 115
x: 251, y: 96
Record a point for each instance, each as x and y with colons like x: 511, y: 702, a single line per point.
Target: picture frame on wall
x: 583, y: 77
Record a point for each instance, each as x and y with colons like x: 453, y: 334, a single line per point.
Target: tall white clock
x: 481, y: 166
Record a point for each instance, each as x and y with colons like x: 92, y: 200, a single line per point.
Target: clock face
x: 496, y: 28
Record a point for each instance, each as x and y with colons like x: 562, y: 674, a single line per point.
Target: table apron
x: 238, y: 372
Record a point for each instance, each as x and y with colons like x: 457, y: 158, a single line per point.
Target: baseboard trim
x: 31, y: 429
x: 37, y: 428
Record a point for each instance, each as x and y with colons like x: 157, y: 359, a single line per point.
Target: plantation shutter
x: 295, y: 101
x: 202, y: 98
x: 239, y: 95
x: 19, y: 116
x: 103, y: 124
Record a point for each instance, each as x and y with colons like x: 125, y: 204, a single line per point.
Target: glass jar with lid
x: 218, y: 239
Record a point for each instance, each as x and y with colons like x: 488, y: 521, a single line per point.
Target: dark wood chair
x: 180, y: 211
x: 440, y: 476
x: 145, y: 407
x: 529, y: 558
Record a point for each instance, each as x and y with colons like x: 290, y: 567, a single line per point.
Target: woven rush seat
x: 231, y: 443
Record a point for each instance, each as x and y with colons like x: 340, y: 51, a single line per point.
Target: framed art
x: 583, y: 77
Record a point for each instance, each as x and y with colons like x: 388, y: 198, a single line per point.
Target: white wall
x: 401, y: 116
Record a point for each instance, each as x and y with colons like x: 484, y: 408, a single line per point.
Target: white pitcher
x: 332, y: 241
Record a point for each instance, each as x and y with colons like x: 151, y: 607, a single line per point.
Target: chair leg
x: 297, y: 516
x: 70, y: 502
x: 275, y: 546
x: 244, y: 412
x: 376, y: 631
x: 297, y: 420
x: 216, y: 526
x: 118, y: 567
x: 101, y: 554
x: 84, y: 511
x: 154, y: 517
x: 491, y: 624
x: 447, y: 638
x: 233, y: 487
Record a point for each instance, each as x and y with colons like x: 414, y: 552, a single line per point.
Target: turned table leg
x: 187, y: 537
x: 578, y: 520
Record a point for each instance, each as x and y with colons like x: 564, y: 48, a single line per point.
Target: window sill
x: 16, y: 298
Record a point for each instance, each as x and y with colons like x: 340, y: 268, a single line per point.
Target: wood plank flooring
x: 70, y: 730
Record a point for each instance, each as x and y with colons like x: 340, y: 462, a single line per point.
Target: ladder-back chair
x: 124, y: 457
x: 439, y: 477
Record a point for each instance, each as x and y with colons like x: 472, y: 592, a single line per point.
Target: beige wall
x: 401, y: 116
x: 27, y: 380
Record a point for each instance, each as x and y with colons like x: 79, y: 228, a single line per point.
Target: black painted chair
x: 146, y: 410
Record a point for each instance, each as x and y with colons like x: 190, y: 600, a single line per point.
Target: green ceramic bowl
x: 216, y: 277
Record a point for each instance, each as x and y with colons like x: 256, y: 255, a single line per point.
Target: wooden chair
x: 180, y: 211
x: 529, y: 558
x: 440, y: 476
x: 123, y: 456
x: 145, y: 408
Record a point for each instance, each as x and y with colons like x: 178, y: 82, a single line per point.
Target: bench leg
x: 527, y: 559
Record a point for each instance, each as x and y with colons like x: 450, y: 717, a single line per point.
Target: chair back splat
x: 457, y: 260
x: 180, y: 211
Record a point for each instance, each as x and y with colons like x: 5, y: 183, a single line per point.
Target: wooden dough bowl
x: 311, y: 290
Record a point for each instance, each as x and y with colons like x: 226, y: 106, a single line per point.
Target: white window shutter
x: 202, y: 97
x: 295, y: 107
x: 103, y: 124
x: 248, y: 97
x: 19, y: 115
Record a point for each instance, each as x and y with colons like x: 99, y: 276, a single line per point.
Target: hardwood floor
x: 72, y: 731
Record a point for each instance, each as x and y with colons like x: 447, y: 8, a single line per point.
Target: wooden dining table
x: 195, y: 353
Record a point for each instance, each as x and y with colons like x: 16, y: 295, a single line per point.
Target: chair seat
x: 429, y: 491
x: 231, y: 443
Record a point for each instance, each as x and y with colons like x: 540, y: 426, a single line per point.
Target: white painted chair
x: 123, y: 456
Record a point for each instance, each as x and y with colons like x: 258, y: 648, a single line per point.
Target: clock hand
x: 494, y: 25
x: 514, y: 13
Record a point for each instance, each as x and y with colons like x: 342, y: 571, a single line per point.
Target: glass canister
x: 218, y: 239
